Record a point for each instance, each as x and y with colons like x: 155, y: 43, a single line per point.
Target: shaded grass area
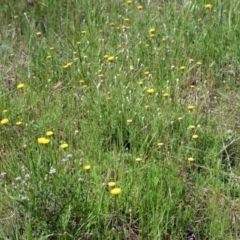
x: 140, y: 94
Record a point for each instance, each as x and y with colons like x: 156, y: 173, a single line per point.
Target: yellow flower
x: 38, y: 33
x: 152, y: 35
x: 87, y: 167
x: 152, y: 30
x: 195, y: 136
x: 49, y: 133
x: 150, y: 91
x: 129, y: 1
x: 129, y: 121
x: 81, y: 81
x: 43, y: 140
x: 208, y: 6
x: 111, y: 184
x: 160, y: 144
x: 5, y: 111
x: 64, y: 145
x: 110, y: 58
x: 199, y: 63
x: 192, y: 127
x: 140, y: 7
x: 49, y: 56
x: 190, y: 107
x: 182, y: 67
x: 4, y: 121
x: 166, y: 95
x: 19, y: 123
x: 116, y: 191
x: 111, y: 24
x: 20, y: 86
x: 138, y: 159
x: 51, y: 48
x: 83, y: 32
x: 180, y: 119
x: 140, y: 82
x: 190, y: 159
x: 147, y: 73
x: 78, y: 43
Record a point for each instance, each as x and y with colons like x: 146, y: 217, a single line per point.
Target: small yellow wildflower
x: 199, y: 63
x: 180, y: 119
x: 129, y: 121
x: 43, y: 140
x: 165, y: 95
x: 190, y: 107
x: 163, y: 39
x: 87, y: 167
x: 51, y: 48
x: 208, y: 6
x: 110, y: 58
x: 81, y: 81
x: 225, y: 10
x: 83, y: 32
x: 49, y: 133
x: 111, y: 24
x: 191, y: 159
x: 195, y: 136
x: 129, y: 2
x: 111, y: 184
x: 4, y: 121
x: 192, y: 127
x: 160, y: 144
x: 150, y: 91
x: 106, y: 56
x: 38, y: 33
x: 191, y: 60
x: 146, y: 72
x: 140, y: 7
x: 140, y: 82
x: 19, y: 123
x: 78, y: 43
x: 116, y: 191
x: 20, y: 86
x: 49, y: 56
x: 152, y: 35
x: 138, y: 159
x: 152, y: 30
x: 5, y: 111
x: 64, y: 145
x: 182, y: 67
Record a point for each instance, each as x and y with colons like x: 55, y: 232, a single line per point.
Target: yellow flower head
x: 64, y: 145
x: 199, y: 63
x: 147, y: 73
x: 195, y: 136
x: 51, y: 48
x: 43, y: 140
x: 138, y: 159
x: 208, y: 6
x: 20, y: 86
x: 192, y: 127
x: 160, y: 144
x: 190, y: 107
x: 140, y: 82
x: 19, y: 123
x: 190, y: 159
x: 165, y: 95
x: 150, y: 91
x: 110, y: 58
x: 83, y: 32
x: 5, y: 111
x: 116, y: 191
x: 140, y: 7
x: 111, y: 184
x: 38, y: 33
x: 49, y: 133
x: 4, y: 121
x: 182, y: 67
x: 129, y: 121
x: 49, y: 56
x: 152, y: 30
x: 87, y: 167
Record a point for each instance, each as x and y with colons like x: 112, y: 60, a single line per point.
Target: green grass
x: 102, y: 109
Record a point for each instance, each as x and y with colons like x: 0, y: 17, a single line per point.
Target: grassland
x: 120, y: 119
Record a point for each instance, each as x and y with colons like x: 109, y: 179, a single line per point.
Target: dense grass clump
x: 119, y: 119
